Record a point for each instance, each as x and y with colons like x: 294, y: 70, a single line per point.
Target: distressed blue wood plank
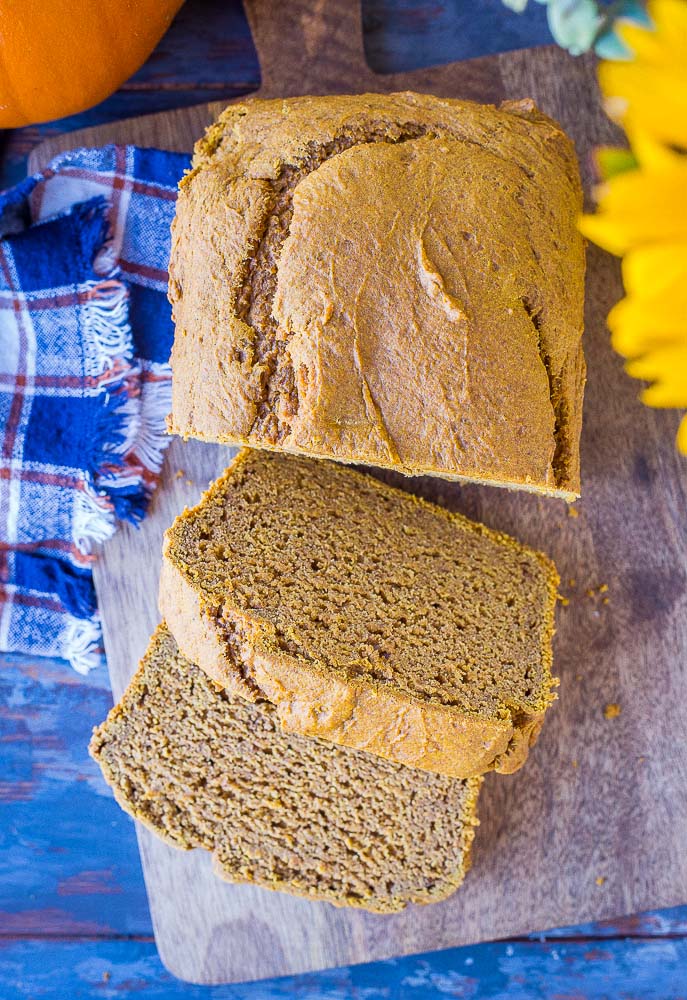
x: 208, y: 45
x: 206, y: 55
x: 655, y: 923
x: 636, y: 970
x: 406, y: 34
x: 68, y: 857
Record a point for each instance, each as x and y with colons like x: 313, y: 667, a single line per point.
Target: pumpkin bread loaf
x: 394, y: 280
x: 202, y: 768
x: 364, y: 615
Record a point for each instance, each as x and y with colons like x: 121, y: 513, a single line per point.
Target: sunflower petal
x: 640, y: 206
x: 652, y: 154
x: 657, y: 266
x: 664, y: 313
x: 682, y: 436
x: 667, y: 369
x: 648, y: 91
x: 670, y: 19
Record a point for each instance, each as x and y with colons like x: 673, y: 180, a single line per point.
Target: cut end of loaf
x: 203, y: 769
x: 364, y: 615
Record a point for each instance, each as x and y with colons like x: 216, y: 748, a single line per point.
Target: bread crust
x: 447, y: 343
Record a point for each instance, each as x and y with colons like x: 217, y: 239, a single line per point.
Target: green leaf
x: 611, y: 160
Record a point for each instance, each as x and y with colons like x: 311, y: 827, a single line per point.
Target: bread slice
x: 204, y: 769
x: 395, y: 280
x: 365, y: 615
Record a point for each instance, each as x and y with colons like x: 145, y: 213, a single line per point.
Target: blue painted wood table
x: 74, y: 919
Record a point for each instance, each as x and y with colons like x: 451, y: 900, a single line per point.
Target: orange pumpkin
x: 58, y: 57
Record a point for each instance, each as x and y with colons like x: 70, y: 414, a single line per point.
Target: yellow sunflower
x: 648, y: 90
x: 642, y: 204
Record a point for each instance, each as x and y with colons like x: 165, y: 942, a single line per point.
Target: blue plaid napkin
x: 85, y: 337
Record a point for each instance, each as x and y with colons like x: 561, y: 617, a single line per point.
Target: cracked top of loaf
x: 386, y: 279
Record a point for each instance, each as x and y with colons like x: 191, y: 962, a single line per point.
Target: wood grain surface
x: 594, y: 825
x: 74, y: 918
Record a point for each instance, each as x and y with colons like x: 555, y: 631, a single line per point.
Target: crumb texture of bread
x: 203, y: 769
x: 394, y: 280
x: 365, y: 615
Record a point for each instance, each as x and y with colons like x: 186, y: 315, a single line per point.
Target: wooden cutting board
x: 595, y: 825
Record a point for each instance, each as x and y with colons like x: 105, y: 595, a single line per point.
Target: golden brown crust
x: 242, y: 652
x: 443, y: 337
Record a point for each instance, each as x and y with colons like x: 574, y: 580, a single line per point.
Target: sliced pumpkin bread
x: 364, y: 615
x: 202, y: 768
